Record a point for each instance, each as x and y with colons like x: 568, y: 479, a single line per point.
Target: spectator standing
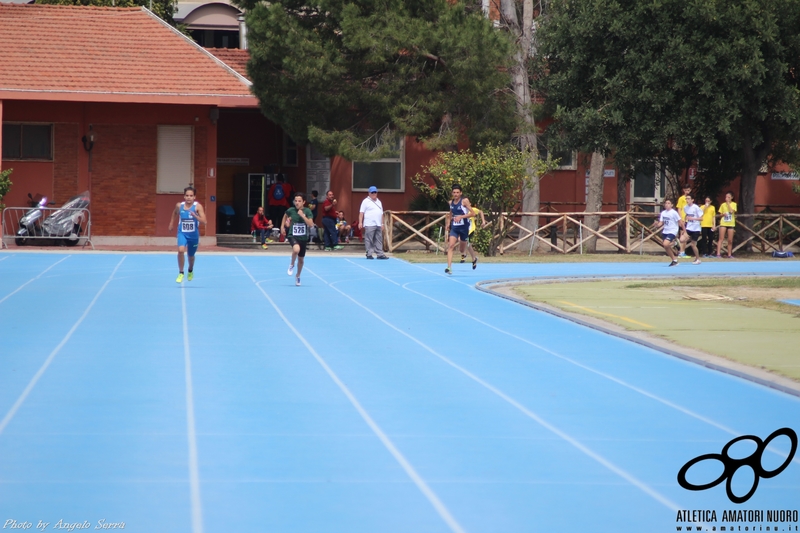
x: 329, y: 216
x: 370, y: 220
x: 727, y: 224
x: 707, y: 227
x: 262, y: 225
x: 671, y: 221
x: 279, y: 196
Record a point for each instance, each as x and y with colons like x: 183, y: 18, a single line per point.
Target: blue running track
x: 378, y: 397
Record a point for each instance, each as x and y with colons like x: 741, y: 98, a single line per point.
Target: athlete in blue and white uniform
x: 190, y: 215
x: 458, y: 219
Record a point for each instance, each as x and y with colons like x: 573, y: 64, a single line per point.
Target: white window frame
x: 174, y: 173
x: 401, y: 159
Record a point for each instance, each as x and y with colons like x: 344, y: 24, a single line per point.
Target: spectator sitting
x: 262, y: 225
x: 343, y: 227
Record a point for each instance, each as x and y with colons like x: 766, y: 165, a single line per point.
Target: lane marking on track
x: 9, y: 295
x: 431, y: 496
x: 524, y: 410
x: 43, y: 368
x: 194, y: 473
x: 589, y: 310
x: 614, y: 379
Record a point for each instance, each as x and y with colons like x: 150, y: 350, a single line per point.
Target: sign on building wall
x: 791, y: 176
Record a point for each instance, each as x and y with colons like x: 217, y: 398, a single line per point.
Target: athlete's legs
x: 451, y: 245
x: 295, y: 251
x: 181, y: 258
x: 668, y: 249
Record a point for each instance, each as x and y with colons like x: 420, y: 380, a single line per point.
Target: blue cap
x: 373, y: 189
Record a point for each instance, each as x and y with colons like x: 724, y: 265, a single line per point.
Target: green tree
x: 353, y: 77
x: 492, y: 178
x: 656, y: 80
x: 5, y: 186
x: 164, y: 9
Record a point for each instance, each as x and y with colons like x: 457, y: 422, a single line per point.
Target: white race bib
x: 299, y: 230
x: 458, y: 222
x: 188, y: 225
x: 727, y: 217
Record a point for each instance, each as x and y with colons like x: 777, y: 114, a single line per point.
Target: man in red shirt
x: 262, y: 225
x: 329, y: 216
x: 278, y: 198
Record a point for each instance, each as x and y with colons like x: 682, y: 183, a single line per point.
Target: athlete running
x: 190, y: 215
x: 298, y: 219
x: 458, y: 219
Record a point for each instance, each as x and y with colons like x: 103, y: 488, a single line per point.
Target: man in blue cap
x: 370, y: 220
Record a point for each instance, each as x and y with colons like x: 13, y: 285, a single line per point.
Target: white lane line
x: 5, y: 257
x: 194, y: 473
x: 527, y: 412
x: 376, y: 429
x: 634, y: 388
x: 43, y: 368
x: 9, y: 295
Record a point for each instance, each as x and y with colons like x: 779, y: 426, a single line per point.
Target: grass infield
x: 741, y: 319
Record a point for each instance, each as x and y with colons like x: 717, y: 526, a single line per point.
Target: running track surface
x: 380, y: 396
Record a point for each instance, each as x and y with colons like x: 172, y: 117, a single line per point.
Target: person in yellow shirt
x: 727, y: 223
x: 679, y: 205
x: 708, y: 225
x: 477, y: 219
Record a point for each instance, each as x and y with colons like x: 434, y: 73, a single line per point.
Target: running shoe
x: 673, y: 263
x: 448, y: 271
x: 179, y: 279
x: 190, y: 277
x: 682, y: 254
x: 370, y: 257
x: 328, y: 249
x: 338, y: 247
x: 718, y: 256
x: 463, y: 257
x: 696, y: 262
x: 291, y: 270
x: 474, y: 263
x: 383, y: 257
x: 297, y: 282
x: 263, y: 246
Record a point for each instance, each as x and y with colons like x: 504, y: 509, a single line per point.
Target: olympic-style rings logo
x: 732, y: 465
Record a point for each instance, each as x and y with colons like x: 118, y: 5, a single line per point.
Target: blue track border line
x: 486, y: 287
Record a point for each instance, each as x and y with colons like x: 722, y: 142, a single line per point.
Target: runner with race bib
x: 297, y: 220
x: 190, y: 215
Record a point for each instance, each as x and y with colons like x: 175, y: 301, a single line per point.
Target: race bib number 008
x: 188, y: 226
x: 299, y: 230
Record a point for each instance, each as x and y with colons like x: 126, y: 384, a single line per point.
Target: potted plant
x: 5, y: 185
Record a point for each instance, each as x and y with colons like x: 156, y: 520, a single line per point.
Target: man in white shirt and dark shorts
x: 692, y: 217
x: 671, y: 221
x: 370, y: 220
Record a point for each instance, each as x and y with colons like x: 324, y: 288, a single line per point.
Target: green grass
x: 753, y: 328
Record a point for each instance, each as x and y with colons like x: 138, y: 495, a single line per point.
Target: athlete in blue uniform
x: 190, y: 215
x: 458, y: 218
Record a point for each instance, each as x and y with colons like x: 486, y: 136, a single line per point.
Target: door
x: 318, y: 172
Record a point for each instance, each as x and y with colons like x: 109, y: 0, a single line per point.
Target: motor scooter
x: 63, y: 226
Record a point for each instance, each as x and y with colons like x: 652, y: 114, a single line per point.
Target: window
x: 289, y: 152
x: 566, y: 158
x: 175, y: 167
x: 386, y: 174
x: 28, y: 141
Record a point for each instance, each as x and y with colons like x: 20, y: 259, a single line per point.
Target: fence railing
x: 568, y: 232
x: 54, y: 225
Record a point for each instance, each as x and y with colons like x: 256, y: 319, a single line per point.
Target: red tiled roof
x: 233, y: 57
x: 87, y: 53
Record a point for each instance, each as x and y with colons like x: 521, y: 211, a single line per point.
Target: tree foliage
x: 353, y: 76
x: 663, y: 79
x: 5, y: 186
x: 492, y: 178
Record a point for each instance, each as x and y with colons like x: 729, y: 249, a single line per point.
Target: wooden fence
x: 567, y: 232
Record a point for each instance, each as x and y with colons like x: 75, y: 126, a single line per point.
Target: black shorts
x: 301, y: 244
x: 669, y: 237
x: 693, y: 235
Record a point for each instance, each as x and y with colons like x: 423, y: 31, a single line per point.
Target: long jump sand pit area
x: 742, y: 319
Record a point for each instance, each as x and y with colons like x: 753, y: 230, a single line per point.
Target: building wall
x: 122, y: 181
